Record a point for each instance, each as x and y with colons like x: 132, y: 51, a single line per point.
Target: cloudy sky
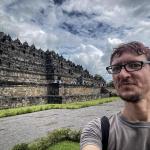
x: 83, y: 31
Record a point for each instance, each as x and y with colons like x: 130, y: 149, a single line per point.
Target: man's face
x: 132, y: 86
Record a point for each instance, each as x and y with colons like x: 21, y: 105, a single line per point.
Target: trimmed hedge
x: 52, y: 138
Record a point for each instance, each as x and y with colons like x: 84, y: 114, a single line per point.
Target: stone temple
x: 30, y: 76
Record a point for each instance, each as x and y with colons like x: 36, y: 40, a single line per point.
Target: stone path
x: 27, y: 127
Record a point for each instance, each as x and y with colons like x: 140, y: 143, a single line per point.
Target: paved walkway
x: 27, y: 127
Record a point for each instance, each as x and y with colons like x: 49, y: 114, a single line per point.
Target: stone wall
x: 19, y: 77
x: 79, y: 90
x: 11, y: 102
x: 79, y: 98
x: 23, y: 90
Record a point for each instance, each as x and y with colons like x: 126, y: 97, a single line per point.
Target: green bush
x: 51, y: 139
x: 22, y: 146
x: 74, y: 135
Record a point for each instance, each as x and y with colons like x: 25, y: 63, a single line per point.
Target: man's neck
x: 137, y: 111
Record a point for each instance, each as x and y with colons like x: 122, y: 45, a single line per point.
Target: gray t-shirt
x: 123, y: 135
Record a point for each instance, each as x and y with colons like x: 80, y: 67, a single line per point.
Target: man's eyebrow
x: 125, y: 62
x: 118, y: 63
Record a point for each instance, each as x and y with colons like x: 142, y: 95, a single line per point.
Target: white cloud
x: 114, y: 42
x: 89, y: 57
x: 83, y: 6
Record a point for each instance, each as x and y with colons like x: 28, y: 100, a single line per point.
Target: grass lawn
x: 65, y: 145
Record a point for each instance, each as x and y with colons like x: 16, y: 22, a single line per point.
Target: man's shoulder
x: 97, y: 121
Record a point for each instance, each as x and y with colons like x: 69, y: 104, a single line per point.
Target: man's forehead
x: 125, y: 51
x: 128, y: 57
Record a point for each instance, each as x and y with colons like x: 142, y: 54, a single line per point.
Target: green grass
x: 65, y: 145
x: 75, y: 105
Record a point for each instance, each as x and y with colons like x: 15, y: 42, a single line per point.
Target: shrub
x: 74, y: 135
x: 22, y: 146
x: 52, y: 138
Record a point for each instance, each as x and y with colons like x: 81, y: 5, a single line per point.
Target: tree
x: 110, y: 84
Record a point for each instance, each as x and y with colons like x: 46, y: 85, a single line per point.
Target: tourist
x: 130, y: 128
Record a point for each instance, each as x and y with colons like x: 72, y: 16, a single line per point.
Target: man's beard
x: 129, y: 95
x: 131, y: 98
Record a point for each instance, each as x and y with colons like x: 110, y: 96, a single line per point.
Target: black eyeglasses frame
x: 109, y: 68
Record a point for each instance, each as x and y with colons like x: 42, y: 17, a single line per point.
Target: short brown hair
x: 134, y: 47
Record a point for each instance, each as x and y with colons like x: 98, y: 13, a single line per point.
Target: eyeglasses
x: 129, y: 67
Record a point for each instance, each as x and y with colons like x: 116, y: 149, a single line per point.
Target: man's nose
x: 124, y: 73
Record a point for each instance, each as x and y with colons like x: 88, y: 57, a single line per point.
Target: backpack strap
x: 105, y: 132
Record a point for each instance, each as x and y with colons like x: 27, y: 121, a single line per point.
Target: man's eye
x: 134, y: 65
x: 115, y: 68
